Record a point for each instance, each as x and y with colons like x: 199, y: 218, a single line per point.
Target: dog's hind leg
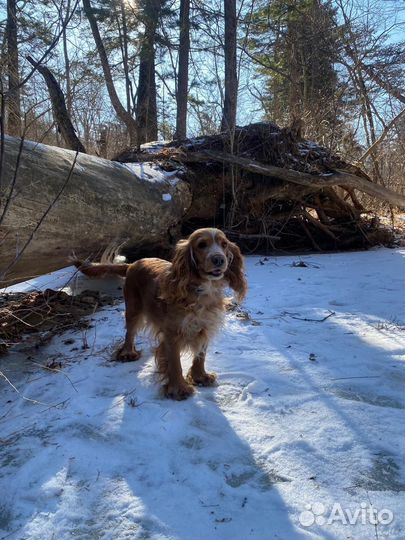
x: 133, y: 319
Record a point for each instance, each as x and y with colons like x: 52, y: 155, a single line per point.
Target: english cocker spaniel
x: 183, y: 302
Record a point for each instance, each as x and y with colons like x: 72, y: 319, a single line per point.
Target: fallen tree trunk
x: 82, y: 204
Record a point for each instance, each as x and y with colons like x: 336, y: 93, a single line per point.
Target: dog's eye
x: 224, y: 244
x: 202, y: 244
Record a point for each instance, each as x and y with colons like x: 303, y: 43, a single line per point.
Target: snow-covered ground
x: 307, y: 420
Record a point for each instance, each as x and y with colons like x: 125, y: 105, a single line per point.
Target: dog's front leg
x: 197, y: 374
x: 176, y: 387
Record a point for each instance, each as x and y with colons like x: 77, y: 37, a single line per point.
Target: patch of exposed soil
x: 44, y: 314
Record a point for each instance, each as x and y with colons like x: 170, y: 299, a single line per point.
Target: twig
x: 56, y: 405
x: 314, y: 320
x: 58, y: 370
x: 23, y: 397
x: 383, y: 135
x: 359, y: 377
x: 251, y: 236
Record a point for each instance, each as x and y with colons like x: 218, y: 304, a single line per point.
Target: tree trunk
x: 102, y: 202
x: 231, y: 77
x: 122, y: 113
x: 146, y: 107
x: 69, y: 96
x: 182, y: 79
x: 60, y: 112
x: 14, y: 98
x: 123, y: 36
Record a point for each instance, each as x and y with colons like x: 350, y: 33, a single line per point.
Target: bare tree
x: 231, y: 79
x: 14, y: 98
x: 66, y: 59
x: 122, y: 23
x: 122, y: 113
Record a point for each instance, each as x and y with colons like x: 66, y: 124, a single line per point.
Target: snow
x: 151, y: 172
x: 154, y: 147
x: 71, y: 281
x: 307, y: 420
x: 54, y: 280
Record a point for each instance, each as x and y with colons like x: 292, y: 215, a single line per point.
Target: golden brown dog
x: 183, y: 301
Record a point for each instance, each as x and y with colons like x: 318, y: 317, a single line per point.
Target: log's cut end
x: 60, y: 202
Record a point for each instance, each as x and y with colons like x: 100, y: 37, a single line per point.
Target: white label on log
x: 166, y: 197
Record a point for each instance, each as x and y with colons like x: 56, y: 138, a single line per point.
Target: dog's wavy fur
x: 182, y: 302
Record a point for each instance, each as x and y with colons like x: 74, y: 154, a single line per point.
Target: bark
x: 102, y: 202
x: 231, y: 78
x: 14, y: 97
x: 182, y: 80
x: 60, y: 111
x: 120, y: 110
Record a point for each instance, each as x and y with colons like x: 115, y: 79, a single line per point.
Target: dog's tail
x: 100, y: 270
x: 108, y: 265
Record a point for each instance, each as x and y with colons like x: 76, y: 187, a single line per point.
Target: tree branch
x: 381, y: 138
x: 59, y: 108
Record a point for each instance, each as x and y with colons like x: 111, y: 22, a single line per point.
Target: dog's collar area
x: 200, y: 289
x: 206, y: 288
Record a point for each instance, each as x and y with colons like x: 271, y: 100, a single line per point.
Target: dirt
x: 39, y: 315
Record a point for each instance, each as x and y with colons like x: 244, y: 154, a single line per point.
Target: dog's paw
x: 125, y: 355
x: 179, y: 391
x: 202, y: 379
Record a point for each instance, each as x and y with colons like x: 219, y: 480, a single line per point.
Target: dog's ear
x: 176, y: 285
x: 235, y: 272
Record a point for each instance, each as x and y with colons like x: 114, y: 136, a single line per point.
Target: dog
x: 182, y: 302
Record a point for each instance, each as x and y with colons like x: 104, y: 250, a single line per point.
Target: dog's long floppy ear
x: 235, y: 271
x: 176, y: 285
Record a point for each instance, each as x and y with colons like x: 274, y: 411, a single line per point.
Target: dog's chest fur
x: 206, y: 314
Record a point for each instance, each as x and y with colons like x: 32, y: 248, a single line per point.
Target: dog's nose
x: 217, y: 260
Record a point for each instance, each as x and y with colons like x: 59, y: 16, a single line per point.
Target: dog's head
x: 208, y: 255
